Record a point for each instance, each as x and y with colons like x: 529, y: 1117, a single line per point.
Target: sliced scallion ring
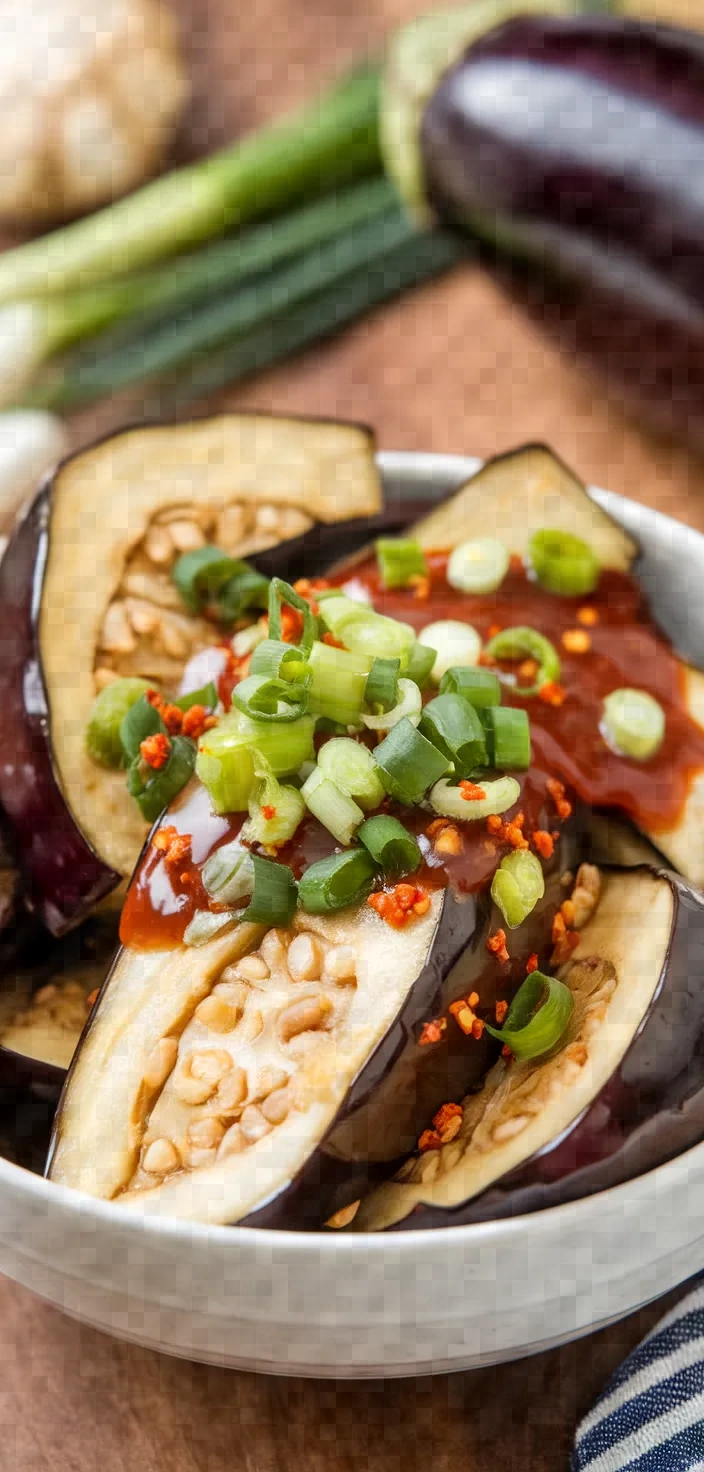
x: 478, y: 566
x: 526, y: 643
x: 393, y: 848
x: 479, y: 686
x: 400, y: 559
x: 517, y: 886
x: 338, y: 681
x: 352, y: 767
x: 537, y: 1018
x: 335, y: 809
x: 277, y: 660
x: 563, y: 563
x: 381, y: 693
x: 281, y: 593
x: 275, y: 893
x: 228, y: 874
x: 409, y: 705
x: 449, y: 802
x: 507, y: 730
x: 633, y: 724
x: 334, y: 883
x: 453, y: 725
x: 365, y: 632
x: 455, y: 643
x: 420, y: 662
x: 408, y: 763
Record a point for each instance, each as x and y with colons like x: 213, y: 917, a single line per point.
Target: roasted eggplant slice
x: 216, y: 1081
x: 623, y: 1092
x: 85, y: 595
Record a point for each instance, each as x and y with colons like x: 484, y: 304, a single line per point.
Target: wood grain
x: 452, y: 367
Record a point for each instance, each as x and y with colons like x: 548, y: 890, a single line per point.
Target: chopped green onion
x: 408, y: 706
x: 508, y: 736
x: 455, y: 643
x: 206, y: 924
x: 142, y: 720
x: 420, y: 662
x: 521, y: 643
x: 225, y: 762
x: 278, y: 660
x: 337, y: 685
x: 365, y: 632
x: 563, y: 563
x: 391, y: 846
x: 275, y: 892
x: 500, y: 796
x: 335, y: 883
x: 264, y: 699
x: 382, y: 685
x: 228, y: 874
x: 275, y: 811
x: 281, y: 593
x: 206, y: 696
x: 517, y: 886
x: 455, y: 728
x: 478, y: 566
x: 480, y: 687
x: 537, y: 1018
x: 154, y: 790
x: 331, y: 806
x: 208, y: 578
x: 285, y: 746
x: 353, y: 769
x: 107, y: 714
x: 400, y: 559
x: 633, y: 724
x: 409, y: 763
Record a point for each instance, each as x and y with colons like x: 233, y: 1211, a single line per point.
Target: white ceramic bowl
x: 409, y: 1302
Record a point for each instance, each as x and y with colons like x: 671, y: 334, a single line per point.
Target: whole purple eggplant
x: 576, y: 147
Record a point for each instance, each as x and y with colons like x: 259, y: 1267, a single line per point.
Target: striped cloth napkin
x: 650, y: 1418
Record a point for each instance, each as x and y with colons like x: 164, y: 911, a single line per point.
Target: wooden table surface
x: 453, y: 367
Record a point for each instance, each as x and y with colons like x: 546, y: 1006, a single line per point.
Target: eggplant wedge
x: 86, y: 595
x: 529, y: 489
x: 269, y: 1075
x: 622, y: 1093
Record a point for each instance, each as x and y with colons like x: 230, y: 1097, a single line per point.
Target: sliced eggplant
x: 273, y: 1084
x: 530, y: 489
x: 623, y: 1091
x: 86, y: 594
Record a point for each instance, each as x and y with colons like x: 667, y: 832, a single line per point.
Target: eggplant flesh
x: 622, y: 1093
x: 573, y: 147
x: 86, y: 596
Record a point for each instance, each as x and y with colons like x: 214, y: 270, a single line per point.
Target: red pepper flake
x: 493, y: 631
x: 436, y: 827
x: 432, y: 1032
x: 171, y: 715
x: 558, y: 928
x: 332, y: 641
x: 532, y: 964
x: 527, y: 671
x: 92, y: 998
x: 501, y: 1010
x: 485, y: 659
x: 470, y: 791
x: 175, y: 846
x: 557, y: 792
x: 463, y: 1015
x: 516, y: 562
x: 576, y: 641
x: 588, y: 616
x: 164, y: 837
x: 291, y: 624
x: 511, y: 833
x: 156, y: 751
x: 268, y: 812
x: 564, y: 947
x: 397, y: 906
x: 308, y: 587
x: 478, y: 1029
x: 506, y: 1052
x: 544, y: 843
x: 448, y: 1121
x: 494, y: 824
x: 567, y: 912
x: 196, y: 721
x: 473, y: 999
x: 497, y: 945
x: 420, y: 583
x: 429, y: 1140
x: 552, y: 693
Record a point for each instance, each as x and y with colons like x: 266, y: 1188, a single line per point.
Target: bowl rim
x: 412, y: 466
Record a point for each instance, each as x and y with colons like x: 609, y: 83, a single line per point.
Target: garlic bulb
x: 89, y: 93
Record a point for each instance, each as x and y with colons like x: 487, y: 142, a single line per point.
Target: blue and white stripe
x: 650, y: 1418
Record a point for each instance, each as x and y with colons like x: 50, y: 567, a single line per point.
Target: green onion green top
x: 400, y: 559
x: 537, y: 1018
x: 563, y: 563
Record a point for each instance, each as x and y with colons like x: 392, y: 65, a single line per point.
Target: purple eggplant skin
x: 575, y: 148
x: 66, y: 877
x: 403, y: 1084
x: 651, y: 1110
